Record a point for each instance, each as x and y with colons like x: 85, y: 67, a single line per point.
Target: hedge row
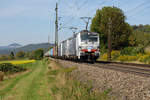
x: 10, y: 68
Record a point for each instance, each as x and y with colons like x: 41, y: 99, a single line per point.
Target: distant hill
x: 11, y: 46
x: 26, y: 48
x: 14, y: 45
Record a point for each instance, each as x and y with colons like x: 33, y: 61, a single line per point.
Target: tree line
x: 36, y: 54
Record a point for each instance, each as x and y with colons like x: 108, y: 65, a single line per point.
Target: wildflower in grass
x: 16, y: 62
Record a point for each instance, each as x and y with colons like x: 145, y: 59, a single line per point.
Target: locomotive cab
x: 89, y: 46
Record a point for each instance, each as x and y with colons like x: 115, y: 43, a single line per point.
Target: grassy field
x: 46, y: 80
x: 64, y: 87
x: 16, y: 62
x: 30, y: 85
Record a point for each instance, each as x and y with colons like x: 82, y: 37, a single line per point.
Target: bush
x: 104, y: 57
x: 20, y: 54
x: 145, y: 58
x: 132, y: 51
x: 127, y: 58
x: 37, y: 54
x: 10, y: 68
x: 115, y: 54
x: 147, y: 49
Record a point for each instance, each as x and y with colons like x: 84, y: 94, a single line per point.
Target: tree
x: 140, y: 38
x: 20, y: 54
x: 30, y: 55
x: 112, y: 18
x: 38, y: 54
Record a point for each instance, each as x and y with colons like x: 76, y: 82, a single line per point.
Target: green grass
x: 54, y: 72
x: 31, y: 85
x: 43, y: 83
x: 65, y: 87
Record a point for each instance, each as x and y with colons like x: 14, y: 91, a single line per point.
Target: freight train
x: 82, y: 46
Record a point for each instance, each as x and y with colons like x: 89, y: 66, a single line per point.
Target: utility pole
x: 109, y: 40
x: 56, y: 31
x: 48, y: 39
x: 86, y: 20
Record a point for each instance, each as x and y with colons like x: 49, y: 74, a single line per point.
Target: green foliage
x: 55, y: 89
x: 139, y: 38
x: 79, y: 91
x: 144, y: 58
x: 54, y: 72
x: 114, y: 55
x: 20, y: 54
x: 120, y: 30
x: 51, y: 79
x: 124, y: 58
x: 64, y: 86
x: 68, y: 70
x: 9, y: 68
x: 132, y: 51
x: 37, y: 54
x: 30, y: 55
x: 147, y: 49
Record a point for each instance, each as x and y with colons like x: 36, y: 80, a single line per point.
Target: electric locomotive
x: 82, y: 46
x: 89, y: 46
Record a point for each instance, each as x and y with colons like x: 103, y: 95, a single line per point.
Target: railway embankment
x: 121, y: 85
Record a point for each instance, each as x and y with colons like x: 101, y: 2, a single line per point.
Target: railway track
x: 137, y: 69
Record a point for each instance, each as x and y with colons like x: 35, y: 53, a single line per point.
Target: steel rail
x: 137, y: 69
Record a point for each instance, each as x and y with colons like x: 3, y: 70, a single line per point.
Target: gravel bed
x: 124, y: 86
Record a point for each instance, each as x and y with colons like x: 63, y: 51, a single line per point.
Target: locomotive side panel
x: 60, y: 50
x: 64, y: 49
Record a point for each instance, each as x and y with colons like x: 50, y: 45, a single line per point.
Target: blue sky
x: 32, y: 21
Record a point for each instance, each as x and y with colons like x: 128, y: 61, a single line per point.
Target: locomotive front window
x: 89, y: 37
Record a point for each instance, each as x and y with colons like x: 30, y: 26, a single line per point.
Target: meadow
x: 46, y: 80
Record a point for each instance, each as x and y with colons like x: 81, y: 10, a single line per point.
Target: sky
x: 32, y: 21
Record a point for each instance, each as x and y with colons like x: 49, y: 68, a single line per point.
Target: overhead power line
x: 137, y: 7
x: 78, y: 8
x: 86, y: 20
x: 86, y: 1
x: 74, y: 29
